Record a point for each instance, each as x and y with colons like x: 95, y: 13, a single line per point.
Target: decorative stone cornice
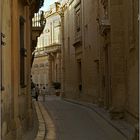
x: 35, y: 5
x: 44, y: 51
x: 61, y: 8
x: 104, y: 3
x: 77, y: 43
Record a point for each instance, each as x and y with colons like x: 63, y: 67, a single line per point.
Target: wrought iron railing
x: 39, y: 19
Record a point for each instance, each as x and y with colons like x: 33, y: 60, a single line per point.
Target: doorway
x: 79, y: 77
x: 108, y: 97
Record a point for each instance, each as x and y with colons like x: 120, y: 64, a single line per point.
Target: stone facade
x: 101, y: 55
x: 46, y: 67
x: 15, y: 67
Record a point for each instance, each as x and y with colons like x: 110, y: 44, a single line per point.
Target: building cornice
x: 35, y: 5
x: 71, y: 2
x: 52, y: 14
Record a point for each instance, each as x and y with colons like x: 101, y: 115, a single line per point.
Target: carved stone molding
x: 78, y: 49
x: 53, y: 48
x: 77, y: 43
x: 105, y: 6
x: 104, y: 3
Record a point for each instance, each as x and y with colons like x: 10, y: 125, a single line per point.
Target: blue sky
x: 47, y: 3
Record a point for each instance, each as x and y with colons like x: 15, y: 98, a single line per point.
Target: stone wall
x: 101, y: 55
x: 16, y: 99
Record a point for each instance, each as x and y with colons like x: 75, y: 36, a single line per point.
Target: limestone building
x: 46, y: 67
x: 101, y: 55
x: 15, y: 66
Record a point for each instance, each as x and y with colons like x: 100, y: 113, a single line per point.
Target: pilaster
x: 50, y: 59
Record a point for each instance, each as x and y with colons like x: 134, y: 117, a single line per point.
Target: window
x: 35, y: 65
x: 41, y: 65
x: 56, y: 34
x: 22, y: 53
x: 77, y: 21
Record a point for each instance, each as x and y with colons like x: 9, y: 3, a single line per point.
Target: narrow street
x: 69, y: 69
x: 75, y: 122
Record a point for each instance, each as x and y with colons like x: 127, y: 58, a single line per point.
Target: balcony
x: 54, y: 48
x: 104, y: 25
x: 38, y: 24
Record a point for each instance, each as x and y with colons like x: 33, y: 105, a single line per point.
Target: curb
x: 126, y: 135
x: 51, y: 131
x: 42, y: 129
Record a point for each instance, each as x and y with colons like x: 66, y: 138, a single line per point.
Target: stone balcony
x: 38, y: 24
x: 104, y: 25
x: 53, y: 48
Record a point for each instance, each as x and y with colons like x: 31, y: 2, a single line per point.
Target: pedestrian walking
x: 36, y: 92
x: 33, y: 92
x: 47, y: 93
x: 43, y: 93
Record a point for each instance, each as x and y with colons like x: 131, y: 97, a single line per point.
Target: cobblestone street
x: 74, y: 122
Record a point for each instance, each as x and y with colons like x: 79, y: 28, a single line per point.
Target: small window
x: 41, y: 65
x: 77, y: 19
x: 36, y: 66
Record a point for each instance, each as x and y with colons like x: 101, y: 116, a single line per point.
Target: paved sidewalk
x: 75, y: 122
x: 49, y: 124
x: 43, y: 126
x: 32, y: 132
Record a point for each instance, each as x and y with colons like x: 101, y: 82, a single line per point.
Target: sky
x: 47, y: 3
